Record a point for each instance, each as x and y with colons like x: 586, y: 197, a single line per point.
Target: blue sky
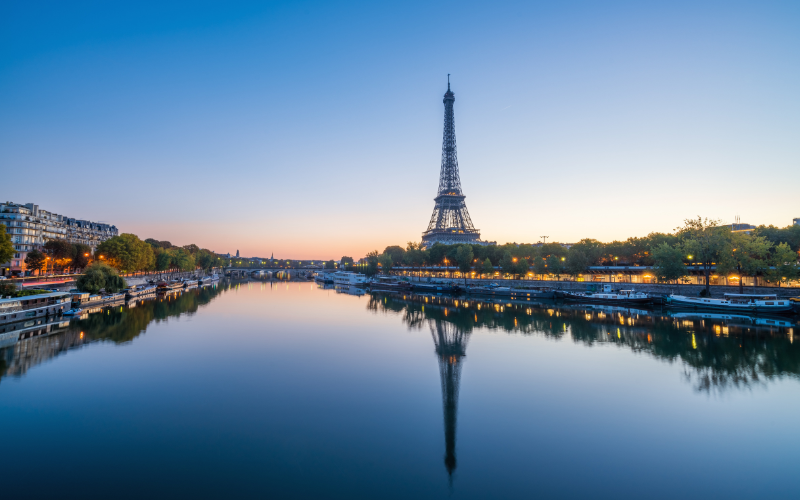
x: 313, y: 129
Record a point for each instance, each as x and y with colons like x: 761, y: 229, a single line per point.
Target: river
x: 291, y: 390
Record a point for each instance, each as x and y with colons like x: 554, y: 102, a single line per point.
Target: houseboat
x: 169, y: 286
x: 430, y: 287
x: 348, y: 278
x: 324, y: 278
x: 606, y: 296
x: 513, y: 293
x: 761, y: 303
x: 387, y: 284
x: 140, y: 291
x: 32, y: 306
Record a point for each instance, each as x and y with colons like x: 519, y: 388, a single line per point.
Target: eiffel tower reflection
x: 451, y: 348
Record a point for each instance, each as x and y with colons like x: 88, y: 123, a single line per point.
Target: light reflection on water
x: 292, y: 390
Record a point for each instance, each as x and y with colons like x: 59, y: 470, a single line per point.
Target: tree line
x: 767, y: 251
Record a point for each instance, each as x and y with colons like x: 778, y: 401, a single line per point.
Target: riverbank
x: 657, y: 289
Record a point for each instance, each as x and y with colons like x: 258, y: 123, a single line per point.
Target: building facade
x: 30, y: 227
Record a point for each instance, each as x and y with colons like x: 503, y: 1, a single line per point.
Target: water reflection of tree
x: 117, y: 324
x: 717, y: 354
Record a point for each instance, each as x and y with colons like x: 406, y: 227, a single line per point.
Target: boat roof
x: 752, y: 295
x: 38, y: 296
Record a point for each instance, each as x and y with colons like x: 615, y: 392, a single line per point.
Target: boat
x: 33, y: 306
x: 763, y: 303
x: 606, y: 296
x: 166, y: 286
x: 389, y: 285
x: 348, y: 278
x: 73, y: 312
x: 324, y: 278
x: 135, y: 292
x: 514, y: 293
x: 430, y: 287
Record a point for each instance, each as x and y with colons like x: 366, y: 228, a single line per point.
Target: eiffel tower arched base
x: 452, y: 237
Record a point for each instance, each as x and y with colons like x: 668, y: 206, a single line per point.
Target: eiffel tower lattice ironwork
x: 450, y: 222
x: 451, y: 348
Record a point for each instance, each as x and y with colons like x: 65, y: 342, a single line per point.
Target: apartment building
x: 31, y: 227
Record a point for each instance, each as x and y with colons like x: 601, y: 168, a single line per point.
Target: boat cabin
x: 747, y: 298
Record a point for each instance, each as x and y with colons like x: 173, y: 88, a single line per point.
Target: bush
x: 7, y: 289
x: 100, y: 276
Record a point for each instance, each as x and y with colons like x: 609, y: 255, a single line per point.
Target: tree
x: 6, y: 246
x: 182, y: 259
x: 576, y: 262
x: 385, y: 260
x: 437, y: 253
x: 555, y: 265
x: 35, y: 260
x: 372, y: 263
x: 668, y: 262
x: 788, y: 234
x: 745, y: 255
x: 540, y: 265
x: 100, y: 276
x: 507, y: 264
x: 397, y: 254
x: 488, y: 268
x: 127, y: 253
x: 703, y: 239
x: 345, y: 262
x: 61, y: 252
x: 163, y: 260
x: 521, y: 267
x: 82, y: 254
x: 784, y: 265
x: 414, y: 255
x: 192, y: 248
x: 590, y: 252
x: 464, y: 257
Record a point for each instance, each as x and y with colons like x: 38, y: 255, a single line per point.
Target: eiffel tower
x: 450, y: 223
x: 451, y: 348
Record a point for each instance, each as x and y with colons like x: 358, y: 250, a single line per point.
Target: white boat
x: 348, y: 278
x: 766, y: 303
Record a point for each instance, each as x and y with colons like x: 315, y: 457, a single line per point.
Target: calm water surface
x: 288, y: 390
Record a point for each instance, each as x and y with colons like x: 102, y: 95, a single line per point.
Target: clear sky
x: 314, y: 129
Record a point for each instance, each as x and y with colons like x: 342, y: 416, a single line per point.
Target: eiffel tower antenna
x: 450, y: 222
x: 451, y: 348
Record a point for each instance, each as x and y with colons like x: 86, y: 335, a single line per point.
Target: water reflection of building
x: 32, y: 351
x: 451, y: 348
x: 24, y: 345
